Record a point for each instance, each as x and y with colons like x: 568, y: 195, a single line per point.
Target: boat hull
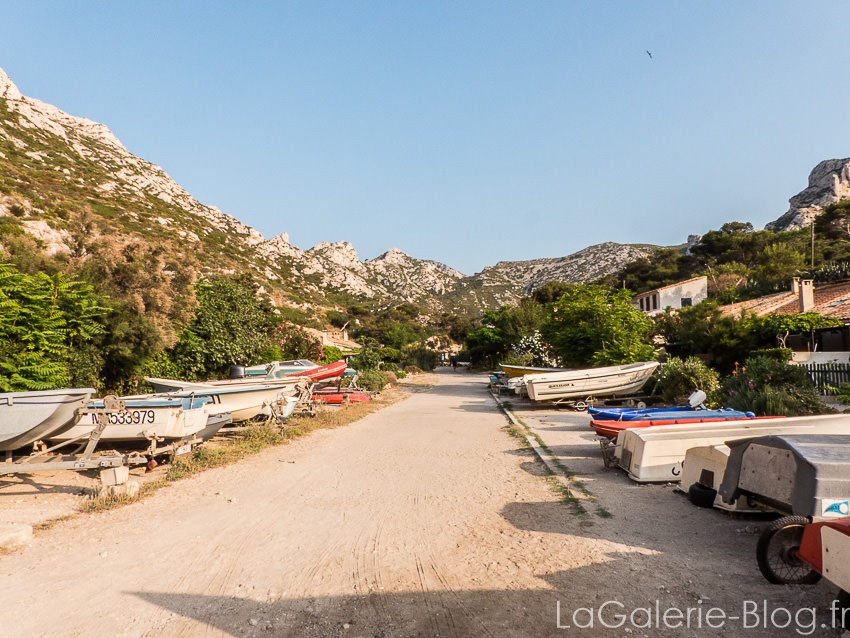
x: 656, y: 454
x: 214, y: 423
x: 166, y: 386
x: 27, y: 417
x: 142, y: 420
x: 591, y: 382
x: 796, y: 473
x: 243, y: 403
x: 629, y: 414
x: 322, y: 372
x: 612, y: 429
x: 336, y: 398
x: 705, y: 466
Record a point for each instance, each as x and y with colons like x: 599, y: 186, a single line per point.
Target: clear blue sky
x: 466, y: 132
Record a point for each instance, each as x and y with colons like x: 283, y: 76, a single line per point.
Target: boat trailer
x: 83, y: 456
x: 638, y: 401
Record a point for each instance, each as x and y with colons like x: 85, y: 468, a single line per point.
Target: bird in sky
x: 649, y: 54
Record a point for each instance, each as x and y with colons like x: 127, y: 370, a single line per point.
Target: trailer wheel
x: 702, y: 496
x: 776, y: 553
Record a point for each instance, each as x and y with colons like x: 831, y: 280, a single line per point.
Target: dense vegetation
x: 743, y: 263
x: 738, y: 361
x: 129, y: 310
x: 46, y: 326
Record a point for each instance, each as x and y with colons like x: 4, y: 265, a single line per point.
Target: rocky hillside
x: 586, y: 265
x: 65, y: 179
x: 829, y: 182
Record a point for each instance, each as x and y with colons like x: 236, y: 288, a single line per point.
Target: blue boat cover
x: 678, y: 412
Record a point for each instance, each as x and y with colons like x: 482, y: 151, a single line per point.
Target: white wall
x: 695, y: 290
x: 820, y: 357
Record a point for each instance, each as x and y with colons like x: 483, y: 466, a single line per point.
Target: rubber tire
x: 791, y: 530
x: 702, y: 496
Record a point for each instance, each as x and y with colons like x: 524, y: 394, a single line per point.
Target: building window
x: 655, y: 302
x: 686, y: 301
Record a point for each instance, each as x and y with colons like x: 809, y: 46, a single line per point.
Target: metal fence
x: 828, y: 376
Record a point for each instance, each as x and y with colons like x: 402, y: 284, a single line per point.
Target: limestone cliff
x: 57, y: 169
x: 829, y: 182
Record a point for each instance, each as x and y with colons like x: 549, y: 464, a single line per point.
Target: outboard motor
x: 237, y: 372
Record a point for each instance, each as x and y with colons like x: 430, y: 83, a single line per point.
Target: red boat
x: 610, y: 429
x: 322, y: 372
x: 335, y: 398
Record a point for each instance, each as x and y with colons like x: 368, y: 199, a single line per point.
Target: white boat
x: 589, y: 382
x: 144, y: 419
x: 704, y: 466
x: 214, y: 423
x: 287, y: 384
x: 27, y: 417
x: 655, y: 455
x: 243, y: 402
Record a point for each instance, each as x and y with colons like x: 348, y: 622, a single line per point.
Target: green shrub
x: 842, y: 393
x: 390, y: 354
x: 421, y: 357
x: 400, y: 374
x: 336, y: 319
x: 388, y: 366
x: 368, y: 359
x: 373, y: 380
x: 412, y: 370
x: 679, y: 378
x: 46, y: 327
x: 771, y: 388
x: 331, y: 355
x: 778, y: 354
x: 513, y: 358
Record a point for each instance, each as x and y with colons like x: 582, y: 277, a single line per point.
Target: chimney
x: 807, y: 295
x: 795, y: 285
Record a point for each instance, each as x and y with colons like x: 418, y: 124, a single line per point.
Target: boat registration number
x: 126, y: 417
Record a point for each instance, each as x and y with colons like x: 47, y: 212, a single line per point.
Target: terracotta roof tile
x: 830, y: 300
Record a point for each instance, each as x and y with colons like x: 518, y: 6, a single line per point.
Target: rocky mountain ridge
x: 829, y: 182
x: 58, y: 171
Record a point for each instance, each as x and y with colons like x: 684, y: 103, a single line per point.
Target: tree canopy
x: 43, y: 319
x: 592, y: 325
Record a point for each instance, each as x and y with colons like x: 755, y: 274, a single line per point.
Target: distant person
x: 454, y: 363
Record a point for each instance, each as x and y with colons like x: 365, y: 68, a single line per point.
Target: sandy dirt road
x: 423, y: 519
